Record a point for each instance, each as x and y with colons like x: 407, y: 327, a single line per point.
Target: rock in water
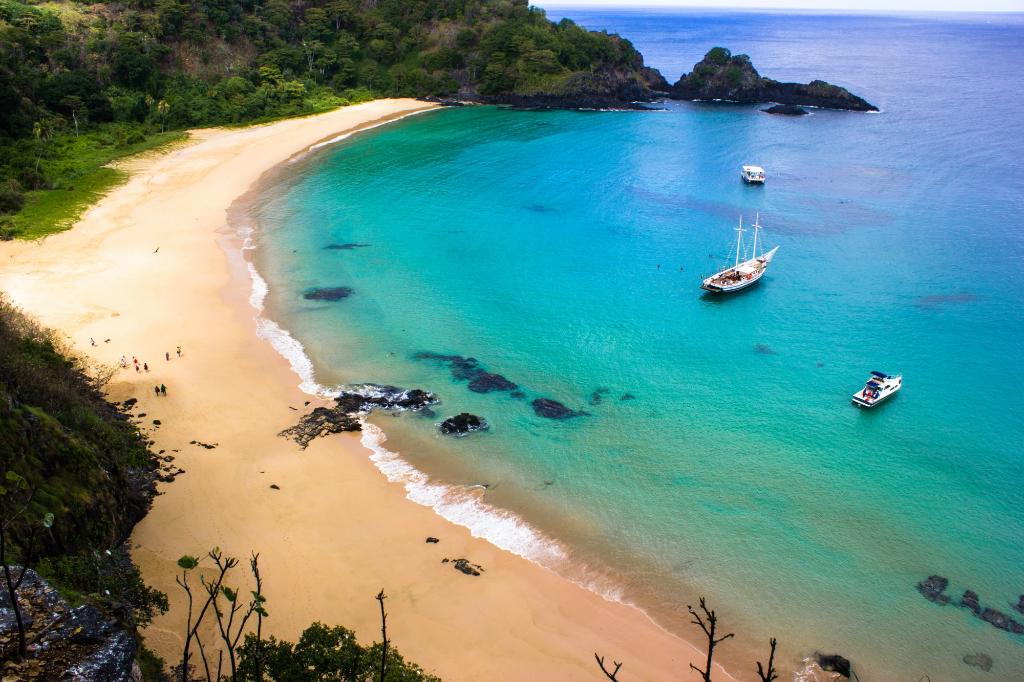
x: 786, y: 110
x: 1020, y: 604
x: 933, y: 588
x: 461, y: 424
x: 1002, y: 621
x: 970, y: 601
x: 327, y: 293
x: 721, y: 75
x: 485, y: 382
x: 552, y: 409
x: 983, y: 661
x: 833, y: 663
x: 350, y: 405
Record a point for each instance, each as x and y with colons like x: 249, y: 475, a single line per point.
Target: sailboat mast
x: 739, y: 241
x: 757, y: 228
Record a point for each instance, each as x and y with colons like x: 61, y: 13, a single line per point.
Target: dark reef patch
x: 348, y: 246
x: 327, y: 293
x: 941, y: 300
x: 764, y: 349
x: 470, y: 370
x: 552, y: 409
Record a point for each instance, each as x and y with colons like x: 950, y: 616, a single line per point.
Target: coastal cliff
x: 723, y: 76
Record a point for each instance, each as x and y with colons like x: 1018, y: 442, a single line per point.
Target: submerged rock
x: 970, y: 601
x: 327, y: 293
x: 1020, y: 604
x: 933, y: 588
x: 486, y: 382
x: 461, y: 424
x: 983, y: 661
x: 469, y: 369
x: 1002, y: 621
x: 598, y: 395
x: 786, y: 110
x: 350, y: 405
x: 344, y: 247
x: 552, y: 409
x: 833, y: 663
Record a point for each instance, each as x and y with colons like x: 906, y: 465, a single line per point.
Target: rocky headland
x: 723, y: 76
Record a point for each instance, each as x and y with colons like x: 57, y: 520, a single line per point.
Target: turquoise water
x: 532, y: 241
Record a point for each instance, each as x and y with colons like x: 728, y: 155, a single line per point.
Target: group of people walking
x: 159, y: 389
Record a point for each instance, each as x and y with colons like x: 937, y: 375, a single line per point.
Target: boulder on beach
x: 461, y: 424
x: 552, y: 409
x: 327, y: 293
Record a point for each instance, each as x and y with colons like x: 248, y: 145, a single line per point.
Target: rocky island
x: 723, y: 76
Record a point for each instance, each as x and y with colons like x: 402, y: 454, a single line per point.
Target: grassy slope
x: 82, y: 177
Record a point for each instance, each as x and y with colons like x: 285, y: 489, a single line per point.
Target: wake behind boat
x: 741, y: 275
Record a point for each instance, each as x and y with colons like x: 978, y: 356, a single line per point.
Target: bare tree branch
x: 770, y: 674
x: 708, y: 622
x: 610, y: 675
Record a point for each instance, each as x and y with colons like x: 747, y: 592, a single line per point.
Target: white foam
x: 463, y: 505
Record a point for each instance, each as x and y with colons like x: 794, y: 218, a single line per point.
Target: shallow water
x: 564, y: 250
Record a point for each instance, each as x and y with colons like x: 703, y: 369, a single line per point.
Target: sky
x: 847, y: 5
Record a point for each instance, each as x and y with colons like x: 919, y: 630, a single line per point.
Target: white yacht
x: 740, y: 275
x: 752, y: 175
x: 879, y: 387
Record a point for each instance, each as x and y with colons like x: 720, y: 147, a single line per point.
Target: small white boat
x: 740, y: 275
x: 879, y: 387
x: 752, y: 175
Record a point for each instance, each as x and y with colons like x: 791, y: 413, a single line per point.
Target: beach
x: 154, y: 266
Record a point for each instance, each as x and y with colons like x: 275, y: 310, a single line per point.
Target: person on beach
x: 124, y: 361
x: 137, y: 370
x: 145, y: 366
x: 167, y: 356
x: 92, y: 341
x: 156, y: 390
x: 163, y: 390
x: 179, y: 351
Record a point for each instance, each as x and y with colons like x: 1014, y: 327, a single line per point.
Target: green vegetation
x: 79, y: 175
x: 324, y: 653
x: 82, y: 84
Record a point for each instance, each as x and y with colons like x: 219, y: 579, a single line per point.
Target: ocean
x: 719, y: 454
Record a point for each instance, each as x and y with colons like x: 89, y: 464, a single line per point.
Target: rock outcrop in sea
x: 462, y: 424
x: 723, y: 76
x: 80, y: 643
x: 351, y: 405
x: 933, y: 589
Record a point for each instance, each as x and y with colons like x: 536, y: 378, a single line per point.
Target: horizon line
x: 589, y: 5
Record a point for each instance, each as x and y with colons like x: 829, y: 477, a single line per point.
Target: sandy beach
x: 154, y: 266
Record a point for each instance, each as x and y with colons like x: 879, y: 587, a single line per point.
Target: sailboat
x: 741, y: 275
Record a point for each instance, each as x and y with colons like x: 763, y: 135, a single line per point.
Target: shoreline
x: 336, y: 530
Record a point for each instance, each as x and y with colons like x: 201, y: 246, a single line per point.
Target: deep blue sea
x: 720, y: 455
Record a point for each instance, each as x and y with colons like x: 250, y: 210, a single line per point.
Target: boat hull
x: 732, y: 288
x: 866, y: 404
